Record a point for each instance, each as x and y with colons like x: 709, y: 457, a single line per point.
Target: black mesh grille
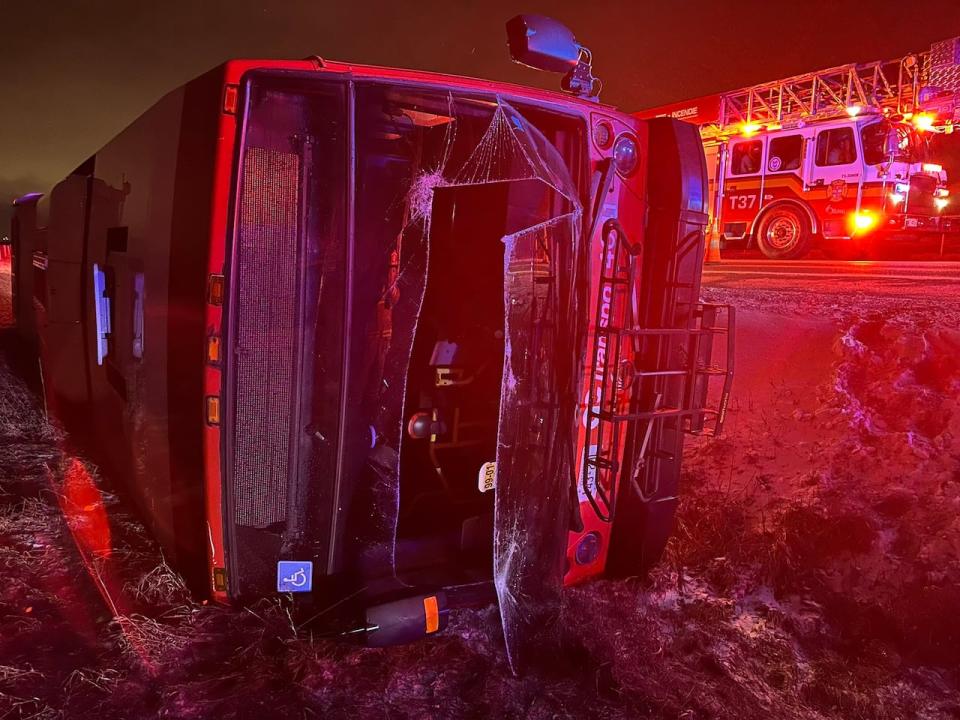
x: 265, y: 335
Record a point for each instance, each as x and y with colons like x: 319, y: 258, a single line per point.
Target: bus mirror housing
x: 542, y: 43
x: 545, y: 44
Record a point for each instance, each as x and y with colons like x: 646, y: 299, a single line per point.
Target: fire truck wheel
x: 784, y: 233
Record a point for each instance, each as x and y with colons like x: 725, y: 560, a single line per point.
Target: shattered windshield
x: 433, y: 280
x: 468, y: 231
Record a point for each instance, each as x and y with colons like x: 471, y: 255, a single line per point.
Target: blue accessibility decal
x: 294, y: 576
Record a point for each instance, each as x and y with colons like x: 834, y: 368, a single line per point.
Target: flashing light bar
x: 932, y: 167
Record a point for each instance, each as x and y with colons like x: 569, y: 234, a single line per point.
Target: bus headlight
x: 626, y: 155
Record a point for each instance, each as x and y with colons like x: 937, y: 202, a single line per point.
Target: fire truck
x: 382, y: 340
x: 839, y: 158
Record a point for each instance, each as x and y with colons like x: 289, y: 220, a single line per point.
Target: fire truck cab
x: 839, y: 158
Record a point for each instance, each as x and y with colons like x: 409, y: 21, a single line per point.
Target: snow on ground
x: 815, y: 571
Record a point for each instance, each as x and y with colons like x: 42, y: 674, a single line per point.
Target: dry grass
x: 31, y: 516
x: 143, y: 638
x: 22, y: 417
x: 102, y: 680
x: 13, y: 707
x: 161, y: 586
x: 10, y: 673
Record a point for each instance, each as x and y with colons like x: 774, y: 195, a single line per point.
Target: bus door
x: 835, y: 179
x: 743, y: 187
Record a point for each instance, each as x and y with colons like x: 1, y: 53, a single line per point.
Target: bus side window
x: 836, y: 147
x: 103, y: 311
x: 785, y: 153
x: 746, y: 157
x: 138, y: 299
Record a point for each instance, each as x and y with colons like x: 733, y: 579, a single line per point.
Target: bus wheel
x: 784, y: 233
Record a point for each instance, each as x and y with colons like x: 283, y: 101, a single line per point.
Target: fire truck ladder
x: 900, y: 86
x: 620, y: 405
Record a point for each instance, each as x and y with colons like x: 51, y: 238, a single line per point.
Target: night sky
x: 73, y: 73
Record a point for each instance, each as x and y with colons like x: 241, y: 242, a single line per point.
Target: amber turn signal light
x: 215, y: 290
x: 213, y: 349
x: 213, y: 410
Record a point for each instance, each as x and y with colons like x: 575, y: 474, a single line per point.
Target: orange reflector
x: 213, y: 349
x: 215, y: 291
x: 213, y: 410
x: 432, y: 613
x: 231, y: 93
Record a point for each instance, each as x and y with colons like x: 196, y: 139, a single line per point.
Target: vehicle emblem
x: 838, y: 190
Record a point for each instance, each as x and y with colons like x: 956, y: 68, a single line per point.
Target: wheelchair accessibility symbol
x: 294, y: 576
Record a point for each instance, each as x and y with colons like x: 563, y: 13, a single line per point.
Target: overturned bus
x: 382, y: 339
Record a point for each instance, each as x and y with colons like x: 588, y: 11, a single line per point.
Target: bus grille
x: 265, y: 335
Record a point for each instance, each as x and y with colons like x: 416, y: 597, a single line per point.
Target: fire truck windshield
x: 882, y: 137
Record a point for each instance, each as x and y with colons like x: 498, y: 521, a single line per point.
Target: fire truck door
x: 835, y: 176
x: 743, y: 185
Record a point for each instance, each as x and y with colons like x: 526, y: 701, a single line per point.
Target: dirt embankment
x: 815, y: 571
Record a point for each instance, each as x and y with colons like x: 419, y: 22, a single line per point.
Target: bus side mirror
x: 545, y: 44
x: 542, y: 43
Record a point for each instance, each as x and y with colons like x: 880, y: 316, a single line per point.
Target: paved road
x: 883, y: 278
